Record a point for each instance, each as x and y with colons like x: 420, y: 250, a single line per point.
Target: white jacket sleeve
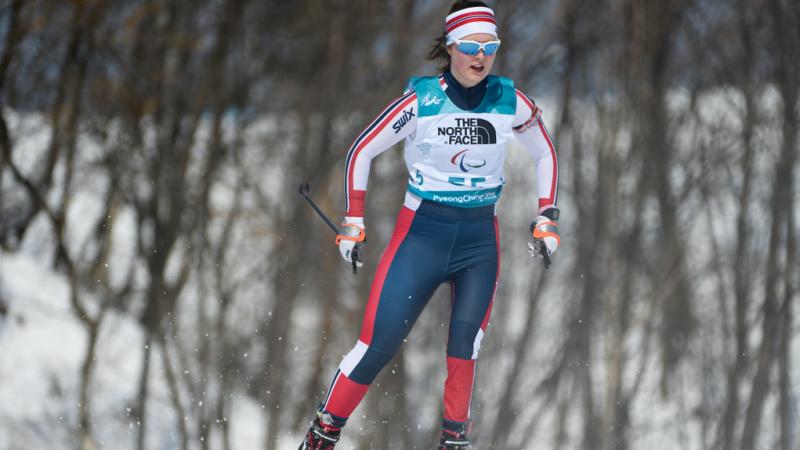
x: 397, y: 121
x: 532, y: 134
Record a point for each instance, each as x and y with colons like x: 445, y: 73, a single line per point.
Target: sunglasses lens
x: 490, y: 49
x: 468, y: 48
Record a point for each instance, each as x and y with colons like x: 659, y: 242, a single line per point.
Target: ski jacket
x: 453, y: 155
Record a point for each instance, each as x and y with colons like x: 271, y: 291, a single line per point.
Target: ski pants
x: 433, y: 245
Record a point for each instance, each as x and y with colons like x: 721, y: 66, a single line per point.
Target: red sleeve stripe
x: 367, y: 135
x: 553, y: 198
x: 526, y: 99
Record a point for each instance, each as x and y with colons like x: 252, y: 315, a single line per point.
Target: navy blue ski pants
x: 433, y: 245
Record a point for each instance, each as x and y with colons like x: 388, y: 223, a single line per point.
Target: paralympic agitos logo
x: 460, y: 160
x: 469, y: 131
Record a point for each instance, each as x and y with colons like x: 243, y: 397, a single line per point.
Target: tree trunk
x: 787, y: 404
x: 174, y: 390
x: 141, y: 407
x: 84, y: 405
x: 742, y: 255
x: 506, y: 411
x: 10, y: 232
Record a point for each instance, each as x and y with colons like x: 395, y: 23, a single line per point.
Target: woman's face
x: 470, y: 70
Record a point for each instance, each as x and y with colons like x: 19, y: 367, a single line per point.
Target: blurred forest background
x: 151, y: 153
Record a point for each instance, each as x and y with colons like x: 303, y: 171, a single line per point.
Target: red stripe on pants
x: 401, y: 228
x: 485, y: 322
x: 458, y: 388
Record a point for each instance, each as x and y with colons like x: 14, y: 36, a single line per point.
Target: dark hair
x: 438, y: 51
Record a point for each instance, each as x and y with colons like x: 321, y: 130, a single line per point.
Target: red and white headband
x: 468, y: 21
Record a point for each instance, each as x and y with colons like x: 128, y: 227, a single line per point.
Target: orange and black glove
x: 351, y: 237
x: 545, y: 235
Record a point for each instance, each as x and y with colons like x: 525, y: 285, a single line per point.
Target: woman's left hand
x: 545, y: 230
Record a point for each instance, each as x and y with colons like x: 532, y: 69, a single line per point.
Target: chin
x: 478, y: 74
x: 477, y: 78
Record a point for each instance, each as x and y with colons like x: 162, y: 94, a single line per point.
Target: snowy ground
x: 41, y: 350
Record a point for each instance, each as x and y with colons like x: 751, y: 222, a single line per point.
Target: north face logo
x: 471, y: 131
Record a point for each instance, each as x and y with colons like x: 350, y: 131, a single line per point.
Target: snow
x: 42, y: 345
x: 33, y: 371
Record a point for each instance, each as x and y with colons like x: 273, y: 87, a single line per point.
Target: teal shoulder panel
x: 430, y: 97
x: 501, y: 97
x: 410, y: 86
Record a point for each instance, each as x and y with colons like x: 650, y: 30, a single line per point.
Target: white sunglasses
x: 473, y: 47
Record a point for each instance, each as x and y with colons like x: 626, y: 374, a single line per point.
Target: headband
x: 468, y: 21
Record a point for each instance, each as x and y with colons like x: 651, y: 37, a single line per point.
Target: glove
x: 545, y: 236
x: 352, y: 234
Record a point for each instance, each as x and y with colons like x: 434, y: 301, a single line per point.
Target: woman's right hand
x: 351, y: 237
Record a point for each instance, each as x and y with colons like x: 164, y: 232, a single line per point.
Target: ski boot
x: 453, y: 441
x: 322, y: 435
x: 454, y: 435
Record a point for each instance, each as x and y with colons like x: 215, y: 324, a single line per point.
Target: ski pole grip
x: 545, y: 256
x: 354, y: 256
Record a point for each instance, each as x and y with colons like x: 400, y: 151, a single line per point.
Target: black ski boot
x: 454, y: 435
x: 321, y: 436
x: 453, y: 441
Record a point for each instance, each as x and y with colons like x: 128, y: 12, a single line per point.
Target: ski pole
x: 545, y: 256
x: 304, y: 190
x: 539, y: 245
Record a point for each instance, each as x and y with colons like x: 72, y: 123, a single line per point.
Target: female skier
x: 456, y: 126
